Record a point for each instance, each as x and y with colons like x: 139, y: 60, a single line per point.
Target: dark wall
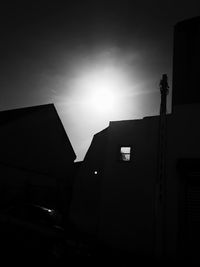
x: 84, y: 210
x: 37, y: 159
x: 186, y: 59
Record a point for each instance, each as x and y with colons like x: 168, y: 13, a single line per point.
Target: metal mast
x: 161, y: 174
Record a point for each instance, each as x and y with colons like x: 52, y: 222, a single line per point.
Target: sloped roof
x: 35, y: 134
x: 10, y: 115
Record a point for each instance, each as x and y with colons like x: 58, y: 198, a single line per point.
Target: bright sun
x: 102, y: 100
x: 102, y: 91
x: 98, y: 89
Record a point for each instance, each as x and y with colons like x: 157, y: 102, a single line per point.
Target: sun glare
x: 102, y: 100
x: 101, y: 91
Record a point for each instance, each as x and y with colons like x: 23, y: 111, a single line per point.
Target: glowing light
x: 102, y: 91
x: 102, y: 100
x: 99, y: 89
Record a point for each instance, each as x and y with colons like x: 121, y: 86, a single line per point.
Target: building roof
x: 34, y: 137
x: 10, y: 115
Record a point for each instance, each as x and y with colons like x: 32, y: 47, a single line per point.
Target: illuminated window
x: 125, y: 153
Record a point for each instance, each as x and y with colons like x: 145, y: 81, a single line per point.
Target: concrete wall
x: 186, y: 59
x: 118, y: 203
x: 21, y: 185
x: 127, y: 205
x: 84, y: 210
x: 183, y: 141
x: 37, y: 141
x: 36, y: 153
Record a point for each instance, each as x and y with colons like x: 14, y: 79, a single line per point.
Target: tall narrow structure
x: 161, y: 172
x: 164, y: 90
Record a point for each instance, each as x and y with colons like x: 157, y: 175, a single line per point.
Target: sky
x: 97, y: 61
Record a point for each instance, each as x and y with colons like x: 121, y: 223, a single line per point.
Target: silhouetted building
x: 119, y: 196
x: 186, y: 58
x: 116, y: 185
x: 88, y: 184
x: 36, y: 159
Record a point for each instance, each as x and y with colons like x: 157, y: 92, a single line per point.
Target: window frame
x: 120, y: 153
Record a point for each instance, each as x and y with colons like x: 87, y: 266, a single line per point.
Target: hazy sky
x: 61, y: 53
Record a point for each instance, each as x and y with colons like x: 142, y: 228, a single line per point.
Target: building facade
x: 36, y: 159
x: 120, y: 196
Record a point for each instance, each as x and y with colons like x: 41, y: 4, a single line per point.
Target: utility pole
x: 164, y: 90
x: 161, y: 172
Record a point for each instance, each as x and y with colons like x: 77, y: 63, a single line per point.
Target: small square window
x: 125, y: 153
